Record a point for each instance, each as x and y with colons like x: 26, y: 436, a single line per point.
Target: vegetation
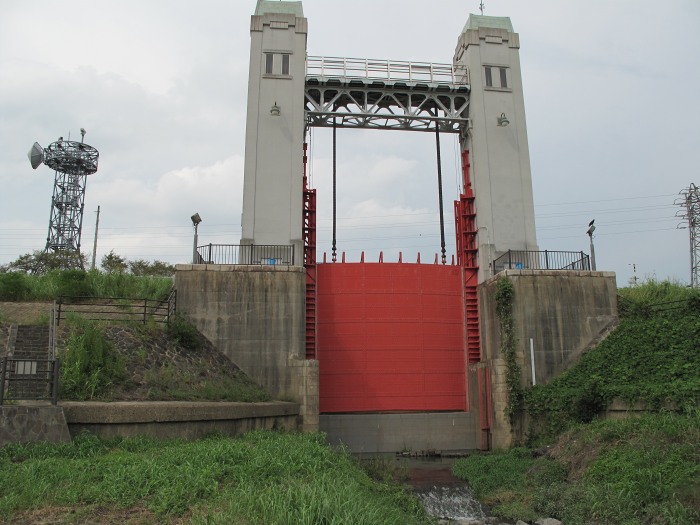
x: 17, y: 286
x: 90, y: 364
x: 261, y: 478
x: 634, y: 471
x: 40, y: 262
x: 44, y: 276
x: 504, y: 310
x: 653, y: 357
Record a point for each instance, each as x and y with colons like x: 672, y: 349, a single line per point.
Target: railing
x: 373, y: 69
x: 29, y: 379
x: 117, y: 309
x: 251, y: 254
x: 541, y: 260
x: 52, y: 331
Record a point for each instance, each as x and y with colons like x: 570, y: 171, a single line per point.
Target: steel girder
x: 365, y: 103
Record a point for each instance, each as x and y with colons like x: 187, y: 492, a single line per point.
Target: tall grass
x: 636, y: 300
x: 90, y: 365
x: 48, y: 287
x: 634, y: 471
x: 261, y: 478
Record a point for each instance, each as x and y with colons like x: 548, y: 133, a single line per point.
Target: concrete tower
x: 272, y: 184
x: 497, y: 139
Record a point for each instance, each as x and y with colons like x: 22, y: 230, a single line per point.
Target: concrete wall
x: 255, y: 316
x: 177, y: 419
x: 414, y: 432
x: 565, y: 313
x: 32, y: 423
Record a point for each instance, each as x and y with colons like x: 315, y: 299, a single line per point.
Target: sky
x: 160, y: 86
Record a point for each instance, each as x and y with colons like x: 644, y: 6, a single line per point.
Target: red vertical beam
x: 309, y: 222
x: 467, y: 252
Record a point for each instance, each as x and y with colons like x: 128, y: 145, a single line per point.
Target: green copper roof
x: 270, y: 6
x: 496, y: 22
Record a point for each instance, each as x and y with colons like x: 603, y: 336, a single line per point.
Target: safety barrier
x: 541, y: 260
x: 251, y: 254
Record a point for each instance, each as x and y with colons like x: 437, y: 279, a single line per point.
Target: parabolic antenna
x: 36, y: 155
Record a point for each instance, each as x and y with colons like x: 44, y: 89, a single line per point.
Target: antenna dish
x: 36, y: 155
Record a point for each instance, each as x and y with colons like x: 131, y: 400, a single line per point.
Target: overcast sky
x: 160, y: 85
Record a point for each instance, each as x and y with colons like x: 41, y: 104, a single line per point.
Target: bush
x: 89, y: 365
x: 13, y: 286
x: 73, y: 283
x: 184, y: 333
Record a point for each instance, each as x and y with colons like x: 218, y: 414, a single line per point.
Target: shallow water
x: 455, y: 502
x: 443, y: 495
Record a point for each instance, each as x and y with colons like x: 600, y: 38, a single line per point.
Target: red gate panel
x: 390, y: 337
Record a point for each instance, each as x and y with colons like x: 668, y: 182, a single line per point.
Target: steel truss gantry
x: 382, y: 94
x: 690, y: 201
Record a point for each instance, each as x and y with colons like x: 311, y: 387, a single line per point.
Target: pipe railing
x: 541, y: 260
x: 246, y: 254
x: 376, y: 69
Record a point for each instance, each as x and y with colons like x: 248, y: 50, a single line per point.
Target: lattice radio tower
x: 72, y: 162
x: 690, y: 201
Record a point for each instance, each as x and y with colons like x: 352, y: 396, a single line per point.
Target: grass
x: 635, y: 471
x: 90, y: 365
x: 652, y: 357
x: 261, y: 478
x: 172, y: 383
x: 15, y: 286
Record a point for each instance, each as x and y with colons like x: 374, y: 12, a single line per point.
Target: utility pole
x: 94, y: 246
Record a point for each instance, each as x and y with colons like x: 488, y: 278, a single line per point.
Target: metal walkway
x: 384, y: 94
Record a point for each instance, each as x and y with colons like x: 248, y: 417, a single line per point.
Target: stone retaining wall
x: 32, y: 423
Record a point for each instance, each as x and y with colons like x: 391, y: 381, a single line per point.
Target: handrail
x: 29, y: 379
x: 247, y: 254
x: 117, y: 308
x: 378, y: 69
x: 541, y: 260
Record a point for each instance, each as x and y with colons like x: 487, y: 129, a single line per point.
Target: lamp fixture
x: 275, y: 110
x: 503, y: 120
x: 196, y: 219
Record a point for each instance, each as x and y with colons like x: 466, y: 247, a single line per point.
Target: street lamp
x: 591, y: 229
x: 196, y: 219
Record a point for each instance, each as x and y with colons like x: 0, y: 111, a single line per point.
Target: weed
x: 13, y: 286
x: 262, y: 477
x: 184, y: 333
x: 89, y: 363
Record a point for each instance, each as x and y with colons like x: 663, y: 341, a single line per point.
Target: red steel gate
x: 390, y: 337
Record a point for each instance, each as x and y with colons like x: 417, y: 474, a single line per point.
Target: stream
x: 442, y: 494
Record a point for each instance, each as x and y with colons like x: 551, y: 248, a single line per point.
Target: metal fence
x: 117, y: 309
x: 24, y: 379
x: 541, y: 260
x: 251, y: 254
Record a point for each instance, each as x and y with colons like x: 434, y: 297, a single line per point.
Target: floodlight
x: 196, y: 219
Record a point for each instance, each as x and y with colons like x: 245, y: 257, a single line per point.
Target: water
x: 454, y: 503
x: 443, y: 495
